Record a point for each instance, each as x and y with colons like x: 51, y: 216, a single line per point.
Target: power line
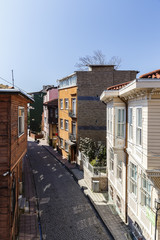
x: 11, y: 84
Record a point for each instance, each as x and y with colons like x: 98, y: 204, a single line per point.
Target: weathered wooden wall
x: 12, y: 150
x: 4, y: 165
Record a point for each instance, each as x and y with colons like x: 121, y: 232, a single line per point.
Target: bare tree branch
x: 98, y: 58
x: 115, y: 61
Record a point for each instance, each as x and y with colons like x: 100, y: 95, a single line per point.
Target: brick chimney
x: 101, y: 68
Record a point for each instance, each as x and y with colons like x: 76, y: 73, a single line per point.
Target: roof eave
x: 107, y: 95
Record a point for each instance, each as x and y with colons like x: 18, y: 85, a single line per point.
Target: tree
x: 98, y: 58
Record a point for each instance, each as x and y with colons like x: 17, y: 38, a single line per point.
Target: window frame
x: 66, y: 148
x: 133, y: 178
x: 61, y: 123
x: 119, y: 123
x: 138, y: 127
x: 109, y: 119
x: 130, y: 123
x: 56, y: 112
x: 21, y: 127
x: 61, y: 103
x: 66, y: 103
x: 119, y: 170
x: 61, y: 143
x: 74, y: 107
x: 145, y: 191
x: 74, y: 125
x: 66, y: 122
x: 111, y: 160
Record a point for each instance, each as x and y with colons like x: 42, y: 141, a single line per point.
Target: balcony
x: 72, y: 114
x: 72, y: 137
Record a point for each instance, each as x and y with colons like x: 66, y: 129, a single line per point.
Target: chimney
x: 101, y: 68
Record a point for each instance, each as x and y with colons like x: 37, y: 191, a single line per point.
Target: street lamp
x: 157, y: 207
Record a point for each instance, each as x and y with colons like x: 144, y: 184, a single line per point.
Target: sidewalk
x: 105, y: 209
x: 28, y: 226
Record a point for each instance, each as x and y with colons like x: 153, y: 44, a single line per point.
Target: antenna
x: 12, y: 79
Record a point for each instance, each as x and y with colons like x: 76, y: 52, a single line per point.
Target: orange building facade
x: 67, y: 122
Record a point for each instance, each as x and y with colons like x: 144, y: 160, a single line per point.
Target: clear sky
x: 41, y: 40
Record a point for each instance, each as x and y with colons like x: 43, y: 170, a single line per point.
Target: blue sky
x: 41, y: 40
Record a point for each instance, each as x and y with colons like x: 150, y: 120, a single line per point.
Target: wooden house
x: 13, y: 147
x: 133, y: 154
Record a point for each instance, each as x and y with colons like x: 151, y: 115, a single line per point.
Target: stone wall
x: 89, y: 178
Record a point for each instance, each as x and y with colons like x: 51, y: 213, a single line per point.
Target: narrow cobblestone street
x: 65, y: 213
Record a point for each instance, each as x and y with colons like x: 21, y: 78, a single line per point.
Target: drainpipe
x: 157, y: 209
x: 125, y: 150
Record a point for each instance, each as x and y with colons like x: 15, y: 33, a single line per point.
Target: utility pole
x: 12, y: 79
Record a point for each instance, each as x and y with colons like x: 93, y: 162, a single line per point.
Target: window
x: 74, y: 106
x: 61, y: 123
x: 119, y: 170
x: 118, y: 203
x: 133, y: 178
x: 61, y: 103
x: 139, y: 126
x: 74, y: 129
x: 66, y: 103
x: 61, y: 142
x: 66, y: 125
x: 109, y: 118
x: 20, y: 120
x: 145, y: 190
x: 56, y: 113
x: 111, y: 192
x: 51, y: 112
x: 130, y: 123
x: 70, y: 81
x: 111, y: 160
x: 66, y: 147
x: 121, y: 122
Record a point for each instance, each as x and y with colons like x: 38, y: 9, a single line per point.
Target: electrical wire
x: 14, y: 85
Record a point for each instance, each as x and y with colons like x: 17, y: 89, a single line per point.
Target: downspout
x: 125, y: 150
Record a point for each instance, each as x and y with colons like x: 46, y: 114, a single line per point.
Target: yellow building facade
x: 67, y: 122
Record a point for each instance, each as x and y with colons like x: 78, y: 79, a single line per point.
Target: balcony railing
x: 96, y: 171
x: 72, y: 137
x: 72, y: 114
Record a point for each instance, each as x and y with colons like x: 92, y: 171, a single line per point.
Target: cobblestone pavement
x: 65, y: 213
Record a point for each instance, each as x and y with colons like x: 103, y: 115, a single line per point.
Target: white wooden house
x: 133, y: 153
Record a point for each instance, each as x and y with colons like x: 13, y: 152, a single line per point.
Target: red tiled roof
x: 118, y: 86
x: 153, y: 74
